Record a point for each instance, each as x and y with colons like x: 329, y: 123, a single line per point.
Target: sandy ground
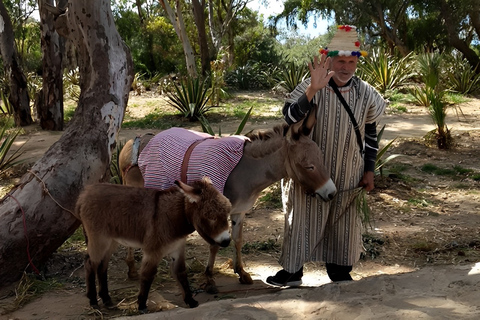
x: 394, y: 287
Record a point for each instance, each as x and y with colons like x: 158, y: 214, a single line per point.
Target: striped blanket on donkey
x: 161, y: 160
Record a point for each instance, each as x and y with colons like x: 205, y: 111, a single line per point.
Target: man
x: 332, y: 231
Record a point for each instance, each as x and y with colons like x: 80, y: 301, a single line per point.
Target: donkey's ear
x: 303, y: 127
x: 190, y: 193
x: 207, y: 180
x: 310, y: 120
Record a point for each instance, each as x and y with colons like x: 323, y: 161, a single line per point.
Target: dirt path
x: 422, y: 260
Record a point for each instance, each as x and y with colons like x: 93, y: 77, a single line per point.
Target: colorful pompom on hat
x: 344, y: 43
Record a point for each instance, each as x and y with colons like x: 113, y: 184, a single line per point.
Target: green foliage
x: 34, y: 84
x: 153, y: 42
x: 292, y: 75
x: 380, y: 161
x: 461, y: 77
x: 71, y: 84
x: 269, y: 245
x: 6, y: 141
x: 256, y: 45
x: 217, y: 82
x: 248, y: 76
x: 206, y: 127
x: 190, y: 98
x: 5, y: 107
x: 386, y: 72
x: 115, y: 172
x: 430, y: 65
x: 432, y: 95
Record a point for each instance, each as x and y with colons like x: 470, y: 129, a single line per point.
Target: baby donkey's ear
x: 192, y: 194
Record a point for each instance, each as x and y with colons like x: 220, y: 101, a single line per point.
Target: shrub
x: 190, y: 98
x: 386, y: 72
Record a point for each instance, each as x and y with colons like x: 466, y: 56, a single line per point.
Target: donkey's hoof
x: 211, y: 287
x: 192, y: 303
x: 245, y: 278
x: 143, y: 311
x: 110, y: 305
x: 133, y: 275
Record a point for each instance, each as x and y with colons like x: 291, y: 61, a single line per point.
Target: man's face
x: 344, y: 68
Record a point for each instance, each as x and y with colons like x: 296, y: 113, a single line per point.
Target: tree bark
x: 35, y: 216
x: 454, y: 38
x: 17, y: 82
x: 179, y: 25
x: 50, y: 108
x: 199, y: 17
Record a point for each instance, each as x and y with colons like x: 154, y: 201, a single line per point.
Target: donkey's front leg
x: 211, y: 286
x: 148, y: 271
x: 90, y: 274
x: 179, y: 271
x: 237, y: 236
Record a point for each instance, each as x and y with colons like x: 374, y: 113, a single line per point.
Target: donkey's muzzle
x: 328, y: 191
x: 223, y: 240
x: 225, y: 243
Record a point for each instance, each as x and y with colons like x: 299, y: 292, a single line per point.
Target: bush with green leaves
x: 292, y: 75
x: 461, y: 77
x: 432, y: 95
x: 190, y: 98
x: 381, y: 160
x: 386, y: 72
x: 8, y: 160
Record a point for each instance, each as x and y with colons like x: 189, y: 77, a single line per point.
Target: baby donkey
x: 156, y: 221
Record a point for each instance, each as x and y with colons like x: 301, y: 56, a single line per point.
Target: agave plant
x: 380, y: 161
x: 115, y: 174
x: 190, y: 98
x: 430, y: 65
x: 291, y: 76
x: 6, y: 141
x: 208, y: 129
x: 386, y: 72
x: 438, y: 113
x: 461, y: 77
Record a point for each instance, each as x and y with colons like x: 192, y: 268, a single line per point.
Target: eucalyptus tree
x: 35, y: 216
x: 406, y: 25
x: 49, y: 100
x: 15, y: 76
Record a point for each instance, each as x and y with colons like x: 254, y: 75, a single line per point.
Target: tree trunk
x: 177, y: 21
x: 454, y: 38
x: 17, y: 82
x: 35, y: 217
x: 199, y: 16
x: 50, y: 108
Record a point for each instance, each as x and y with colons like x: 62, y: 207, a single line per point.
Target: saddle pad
x: 161, y: 160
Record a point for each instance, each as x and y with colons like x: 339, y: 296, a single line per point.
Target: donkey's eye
x: 310, y: 168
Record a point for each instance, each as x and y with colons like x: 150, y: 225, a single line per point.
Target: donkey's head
x: 207, y: 210
x: 304, y: 159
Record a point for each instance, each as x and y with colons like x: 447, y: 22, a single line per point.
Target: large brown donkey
x: 265, y: 158
x: 156, y: 221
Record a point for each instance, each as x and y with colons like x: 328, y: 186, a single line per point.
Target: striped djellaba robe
x: 330, y: 231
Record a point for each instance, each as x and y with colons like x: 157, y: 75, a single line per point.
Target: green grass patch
x: 419, y: 202
x: 269, y: 245
x: 29, y: 287
x: 433, y: 169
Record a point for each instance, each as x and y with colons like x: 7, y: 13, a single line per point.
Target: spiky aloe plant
x: 438, y: 113
x: 380, y: 161
x: 291, y: 76
x: 6, y: 141
x: 190, y: 98
x: 208, y: 129
x: 461, y: 77
x: 386, y: 72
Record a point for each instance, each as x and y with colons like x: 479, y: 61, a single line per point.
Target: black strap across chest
x: 350, y: 113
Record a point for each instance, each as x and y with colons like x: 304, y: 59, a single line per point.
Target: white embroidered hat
x: 344, y: 43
